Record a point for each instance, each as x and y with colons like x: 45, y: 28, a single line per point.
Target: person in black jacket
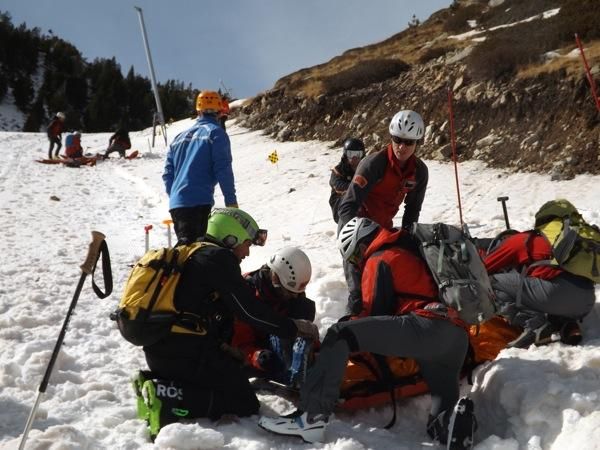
x: 341, y: 175
x: 202, y: 369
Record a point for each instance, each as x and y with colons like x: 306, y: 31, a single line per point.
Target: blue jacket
x: 197, y: 160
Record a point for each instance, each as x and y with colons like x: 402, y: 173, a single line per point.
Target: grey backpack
x: 458, y: 270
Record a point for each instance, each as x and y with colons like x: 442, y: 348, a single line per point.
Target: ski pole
x: 168, y: 223
x: 87, y: 268
x: 588, y: 72
x: 147, y: 229
x: 453, y: 144
x: 503, y: 200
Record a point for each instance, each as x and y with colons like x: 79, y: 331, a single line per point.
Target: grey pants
x: 565, y: 296
x: 437, y: 345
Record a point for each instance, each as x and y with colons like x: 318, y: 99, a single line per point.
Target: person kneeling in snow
x: 118, y: 142
x: 541, y: 299
x: 407, y: 320
x: 197, y: 372
x: 279, y: 284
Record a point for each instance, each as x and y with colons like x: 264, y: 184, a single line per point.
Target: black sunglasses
x: 400, y: 141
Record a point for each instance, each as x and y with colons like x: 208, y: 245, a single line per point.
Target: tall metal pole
x: 161, y: 117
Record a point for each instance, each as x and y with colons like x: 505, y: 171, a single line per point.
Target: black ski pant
x: 54, y: 141
x: 438, y: 346
x: 115, y: 148
x: 353, y: 280
x: 565, y: 296
x: 212, y: 385
x: 190, y: 223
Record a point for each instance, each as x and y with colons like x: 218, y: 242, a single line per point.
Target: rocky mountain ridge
x: 542, y: 117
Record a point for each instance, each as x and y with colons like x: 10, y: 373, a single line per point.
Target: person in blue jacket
x: 197, y: 160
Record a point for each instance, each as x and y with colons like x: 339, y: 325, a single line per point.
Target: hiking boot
x: 538, y: 336
x: 311, y: 428
x: 138, y: 382
x: 462, y: 425
x: 570, y: 333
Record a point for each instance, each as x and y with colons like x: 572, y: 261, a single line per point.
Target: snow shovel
x: 96, y: 248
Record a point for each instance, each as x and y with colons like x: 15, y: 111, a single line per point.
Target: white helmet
x: 293, y: 268
x: 60, y: 115
x: 407, y: 124
x: 352, y: 233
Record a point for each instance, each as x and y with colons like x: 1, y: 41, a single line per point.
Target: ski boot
x: 454, y: 430
x: 138, y: 382
x: 163, y: 401
x: 462, y: 425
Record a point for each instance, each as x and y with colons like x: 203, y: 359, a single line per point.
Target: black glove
x: 307, y: 329
x: 266, y: 360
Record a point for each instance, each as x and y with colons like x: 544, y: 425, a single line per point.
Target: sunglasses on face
x: 352, y: 154
x: 400, y: 141
x: 260, y: 238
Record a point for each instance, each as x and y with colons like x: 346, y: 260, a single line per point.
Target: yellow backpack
x: 147, y: 312
x: 575, y: 243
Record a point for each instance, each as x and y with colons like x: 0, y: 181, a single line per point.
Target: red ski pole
x: 168, y: 223
x: 588, y: 72
x: 147, y: 229
x: 453, y: 144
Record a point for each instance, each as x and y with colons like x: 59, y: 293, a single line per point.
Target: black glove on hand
x: 307, y: 329
x: 267, y: 360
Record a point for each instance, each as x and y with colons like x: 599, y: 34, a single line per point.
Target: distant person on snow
x: 383, y: 180
x: 403, y: 317
x: 73, y: 147
x: 118, y: 142
x: 341, y: 175
x: 197, y: 160
x: 54, y: 132
x: 280, y: 285
x: 224, y: 111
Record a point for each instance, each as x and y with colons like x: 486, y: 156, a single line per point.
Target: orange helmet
x: 208, y: 102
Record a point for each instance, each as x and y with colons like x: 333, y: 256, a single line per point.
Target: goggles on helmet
x: 399, y: 141
x: 258, y: 236
x: 351, y: 154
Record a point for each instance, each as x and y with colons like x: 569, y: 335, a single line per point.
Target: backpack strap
x: 387, y: 378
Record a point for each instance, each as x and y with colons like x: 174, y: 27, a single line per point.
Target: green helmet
x: 232, y: 226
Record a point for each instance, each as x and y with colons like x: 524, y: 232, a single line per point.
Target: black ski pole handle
x: 503, y: 200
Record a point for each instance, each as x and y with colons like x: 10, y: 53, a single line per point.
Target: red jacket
x: 396, y: 280
x: 224, y: 111
x: 379, y: 187
x: 515, y: 252
x: 55, y: 128
x: 249, y: 339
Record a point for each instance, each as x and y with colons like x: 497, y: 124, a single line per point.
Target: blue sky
x: 248, y: 44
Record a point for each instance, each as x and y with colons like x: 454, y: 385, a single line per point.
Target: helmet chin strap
x: 275, y: 281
